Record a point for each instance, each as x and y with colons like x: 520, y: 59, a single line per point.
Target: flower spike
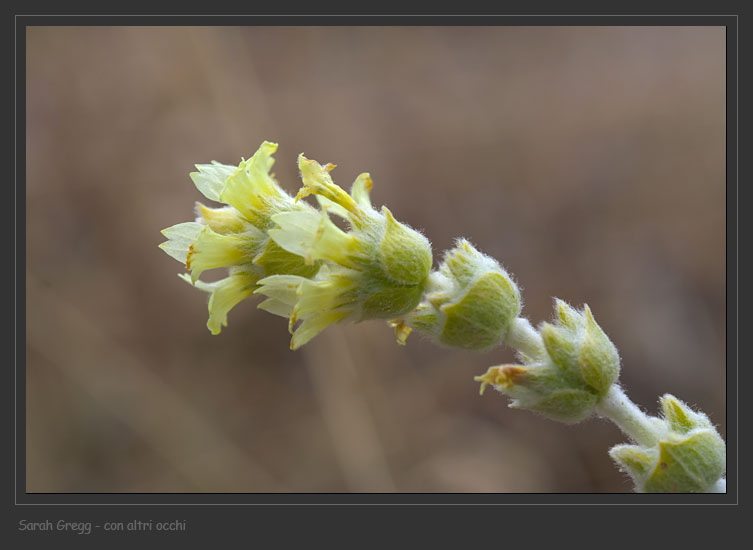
x: 316, y: 273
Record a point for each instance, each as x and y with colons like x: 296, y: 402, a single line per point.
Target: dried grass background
x: 589, y: 161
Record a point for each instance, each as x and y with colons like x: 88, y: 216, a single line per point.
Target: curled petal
x: 359, y: 192
x: 361, y: 189
x: 316, y: 180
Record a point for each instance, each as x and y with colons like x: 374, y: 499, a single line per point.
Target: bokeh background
x: 589, y: 160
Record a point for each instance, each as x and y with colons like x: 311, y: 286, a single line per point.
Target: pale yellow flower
x: 375, y: 270
x: 235, y: 236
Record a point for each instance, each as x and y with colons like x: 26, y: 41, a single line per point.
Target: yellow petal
x: 181, y: 236
x: 222, y: 220
x: 313, y: 236
x: 313, y: 326
x: 361, y: 189
x: 251, y: 188
x: 228, y: 293
x: 280, y: 288
x: 210, y: 179
x: 316, y: 180
x: 333, y: 291
x: 332, y: 207
x: 211, y: 250
x: 276, y: 307
x: 225, y: 294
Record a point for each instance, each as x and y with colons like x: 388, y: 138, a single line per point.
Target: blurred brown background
x: 589, y: 161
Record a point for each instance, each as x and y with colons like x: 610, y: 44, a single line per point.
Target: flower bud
x: 579, y: 347
x: 538, y: 388
x: 689, y: 456
x: 567, y: 382
x: 470, y: 301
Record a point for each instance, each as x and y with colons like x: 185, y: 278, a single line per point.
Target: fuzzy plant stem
x: 524, y: 338
x: 636, y: 424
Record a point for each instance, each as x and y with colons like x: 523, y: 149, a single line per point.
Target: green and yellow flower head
x: 377, y: 269
x: 235, y: 236
x: 575, y: 370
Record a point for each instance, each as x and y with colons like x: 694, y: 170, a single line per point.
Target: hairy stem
x: 524, y: 338
x: 636, y: 424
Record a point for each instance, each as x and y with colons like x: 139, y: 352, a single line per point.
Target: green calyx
x: 470, y: 301
x: 566, y: 405
x: 689, y: 455
x: 577, y: 367
x: 382, y: 299
x: 392, y: 281
x: 581, y: 350
x: 404, y: 255
x: 480, y: 318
